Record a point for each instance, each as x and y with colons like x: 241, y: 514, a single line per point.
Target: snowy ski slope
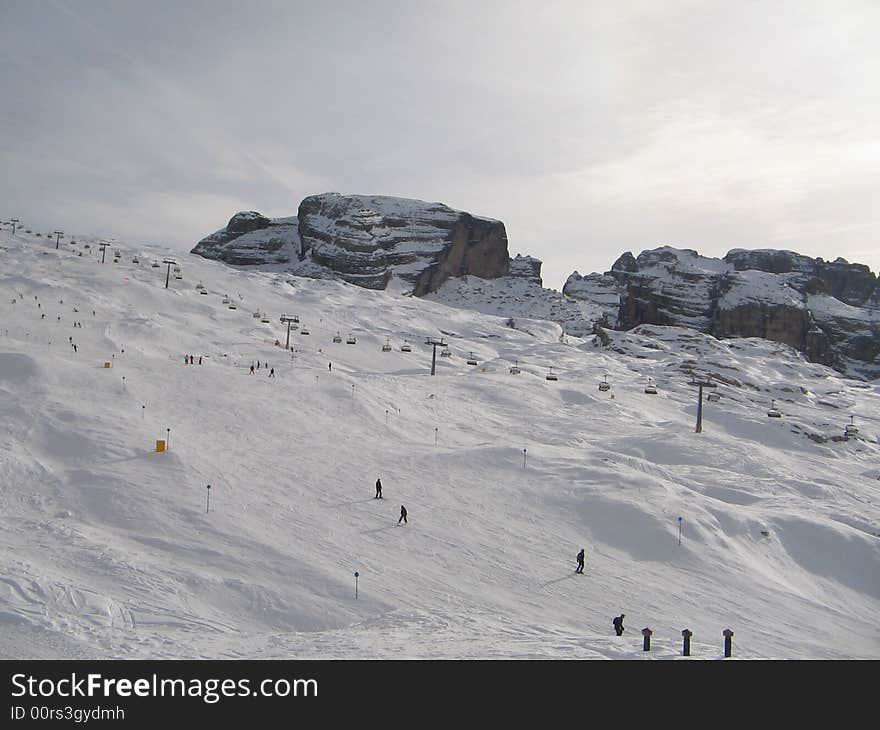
x: 108, y: 550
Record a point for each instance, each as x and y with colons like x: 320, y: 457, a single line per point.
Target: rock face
x: 527, y: 267
x: 367, y: 240
x: 828, y: 311
x: 251, y: 239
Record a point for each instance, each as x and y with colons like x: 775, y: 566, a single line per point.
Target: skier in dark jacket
x: 580, y: 561
x: 618, y: 623
x: 402, y: 515
x: 378, y: 489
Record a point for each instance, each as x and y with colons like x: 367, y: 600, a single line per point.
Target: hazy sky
x: 589, y: 128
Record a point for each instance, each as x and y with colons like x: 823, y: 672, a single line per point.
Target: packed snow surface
x: 766, y: 526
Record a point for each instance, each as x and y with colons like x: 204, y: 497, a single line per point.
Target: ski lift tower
x: 168, y: 273
x: 103, y: 246
x: 435, y: 342
x: 701, y: 383
x: 58, y: 236
x: 13, y: 221
x: 285, y: 318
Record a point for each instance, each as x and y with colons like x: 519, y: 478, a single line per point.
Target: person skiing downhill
x: 378, y: 489
x: 618, y: 623
x: 580, y: 562
x: 402, y: 515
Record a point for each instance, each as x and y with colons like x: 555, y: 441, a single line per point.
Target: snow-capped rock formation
x: 828, y: 311
x: 250, y: 239
x: 367, y: 240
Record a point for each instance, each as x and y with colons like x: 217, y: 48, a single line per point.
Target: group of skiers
x: 265, y: 365
x: 403, y: 511
x: 617, y: 621
x: 189, y: 359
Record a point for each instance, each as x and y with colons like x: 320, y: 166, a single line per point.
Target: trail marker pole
x: 646, y: 642
x: 143, y: 411
x: 208, y: 503
x: 524, y: 458
x: 352, y: 391
x: 679, y: 530
x: 435, y: 435
x: 386, y: 416
x: 168, y: 439
x: 356, y: 576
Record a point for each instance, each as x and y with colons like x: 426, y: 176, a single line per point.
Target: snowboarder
x: 580, y: 562
x: 272, y: 373
x: 378, y: 489
x: 402, y: 515
x: 618, y: 623
x: 252, y: 369
x: 74, y: 348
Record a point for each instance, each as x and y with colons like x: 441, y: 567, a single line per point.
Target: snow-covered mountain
x: 768, y: 526
x: 366, y: 240
x: 830, y: 311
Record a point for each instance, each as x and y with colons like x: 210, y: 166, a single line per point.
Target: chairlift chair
x: 135, y: 260
x: 337, y: 337
x: 551, y: 375
x: 472, y: 360
x: 351, y: 340
x: 851, y: 428
x: 387, y: 346
x: 155, y: 264
x: 233, y: 306
x: 178, y: 276
x: 445, y: 352
x: 203, y: 291
x: 773, y: 413
x: 304, y: 330
x: 605, y: 385
x: 650, y: 388
x: 256, y: 315
x: 265, y: 319
x: 514, y: 369
x: 713, y: 397
x: 405, y: 347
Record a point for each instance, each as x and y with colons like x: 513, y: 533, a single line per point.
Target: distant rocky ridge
x: 368, y: 241
x: 830, y: 311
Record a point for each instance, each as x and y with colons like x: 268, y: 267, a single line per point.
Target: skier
x: 378, y: 489
x: 330, y: 366
x: 402, y: 515
x: 74, y: 348
x: 252, y: 369
x: 200, y: 359
x: 272, y: 373
x: 580, y: 562
x: 258, y: 364
x: 618, y: 623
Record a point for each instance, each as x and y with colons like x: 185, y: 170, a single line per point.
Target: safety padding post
x: 728, y: 636
x: 160, y: 445
x: 646, y: 642
x: 106, y: 364
x: 686, y: 642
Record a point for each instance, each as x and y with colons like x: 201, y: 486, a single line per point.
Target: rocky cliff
x: 251, y: 239
x: 368, y: 241
x: 827, y: 310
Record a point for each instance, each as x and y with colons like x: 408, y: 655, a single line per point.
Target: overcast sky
x: 589, y: 128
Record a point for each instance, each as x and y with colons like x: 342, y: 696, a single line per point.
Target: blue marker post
x: 356, y: 576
